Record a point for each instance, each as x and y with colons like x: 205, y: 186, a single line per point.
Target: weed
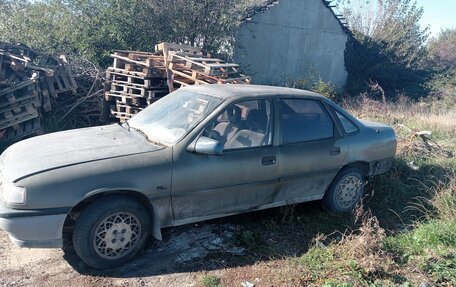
x: 210, y: 281
x: 442, y: 269
x: 407, y: 236
x: 248, y: 239
x: 335, y: 283
x: 317, y: 258
x: 313, y: 82
x: 288, y: 214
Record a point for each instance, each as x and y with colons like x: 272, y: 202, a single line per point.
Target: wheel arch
x: 363, y: 166
x: 138, y: 196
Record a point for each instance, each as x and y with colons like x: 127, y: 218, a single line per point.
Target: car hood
x: 71, y: 147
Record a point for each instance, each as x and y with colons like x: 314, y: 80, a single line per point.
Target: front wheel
x: 345, y: 191
x: 111, y: 231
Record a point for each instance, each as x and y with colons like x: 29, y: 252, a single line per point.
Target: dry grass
x: 445, y: 200
x: 424, y: 251
x: 438, y: 118
x: 368, y: 255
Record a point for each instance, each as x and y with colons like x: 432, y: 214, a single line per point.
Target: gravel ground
x: 254, y: 247
x: 178, y: 260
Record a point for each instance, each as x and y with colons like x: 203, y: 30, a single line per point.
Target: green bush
x: 210, y: 281
x: 313, y: 82
x: 93, y: 29
x: 388, y: 47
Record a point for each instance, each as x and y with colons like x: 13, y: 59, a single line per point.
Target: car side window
x: 304, y: 120
x: 245, y: 124
x: 348, y: 125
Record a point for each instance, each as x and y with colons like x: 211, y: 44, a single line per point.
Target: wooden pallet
x: 43, y: 90
x: 27, y: 81
x: 61, y: 82
x: 193, y: 66
x: 12, y: 118
x: 137, y: 90
x: 17, y: 106
x: 3, y: 66
x: 136, y: 93
x: 24, y: 129
x: 184, y: 76
x: 165, y: 48
x: 148, y: 83
x: 152, y: 74
x: 13, y: 95
x: 123, y: 117
x: 146, y: 63
x: 13, y: 88
x: 122, y: 108
x: 208, y: 66
x: 125, y: 99
x: 18, y: 50
x: 130, y: 78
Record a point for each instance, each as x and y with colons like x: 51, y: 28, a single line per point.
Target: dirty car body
x: 201, y: 152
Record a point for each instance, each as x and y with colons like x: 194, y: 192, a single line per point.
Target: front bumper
x: 33, y: 228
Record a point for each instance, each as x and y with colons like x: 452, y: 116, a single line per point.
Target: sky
x: 438, y: 14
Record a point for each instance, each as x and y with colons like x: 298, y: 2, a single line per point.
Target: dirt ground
x: 56, y: 267
x: 242, y: 248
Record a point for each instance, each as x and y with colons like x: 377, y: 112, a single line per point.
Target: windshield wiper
x: 126, y: 125
x: 145, y: 135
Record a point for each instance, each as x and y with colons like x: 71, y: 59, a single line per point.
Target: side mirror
x: 205, y: 145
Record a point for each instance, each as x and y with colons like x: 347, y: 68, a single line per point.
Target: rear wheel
x: 345, y: 191
x: 111, y: 231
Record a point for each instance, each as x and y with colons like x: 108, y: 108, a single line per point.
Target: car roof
x: 242, y: 91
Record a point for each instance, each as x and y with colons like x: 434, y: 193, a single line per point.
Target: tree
x: 43, y: 25
x: 388, y: 46
x: 209, y: 24
x: 442, y: 51
x: 106, y: 25
x: 93, y: 28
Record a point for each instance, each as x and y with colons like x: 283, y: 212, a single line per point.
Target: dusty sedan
x: 199, y: 153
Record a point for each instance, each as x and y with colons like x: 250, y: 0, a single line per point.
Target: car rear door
x: 243, y: 178
x: 311, y: 150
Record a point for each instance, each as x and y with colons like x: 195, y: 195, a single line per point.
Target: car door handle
x: 334, y: 151
x: 268, y: 160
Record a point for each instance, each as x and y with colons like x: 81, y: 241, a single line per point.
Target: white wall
x: 292, y: 39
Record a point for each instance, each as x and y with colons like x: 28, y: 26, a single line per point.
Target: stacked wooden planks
x: 28, y: 80
x: 188, y: 65
x: 137, y: 79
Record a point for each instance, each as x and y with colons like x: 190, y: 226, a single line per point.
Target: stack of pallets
x: 137, y: 79
x: 27, y: 81
x: 193, y: 66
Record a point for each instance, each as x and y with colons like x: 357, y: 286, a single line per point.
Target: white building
x: 291, y: 39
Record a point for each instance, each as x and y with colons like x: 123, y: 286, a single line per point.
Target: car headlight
x: 13, y: 194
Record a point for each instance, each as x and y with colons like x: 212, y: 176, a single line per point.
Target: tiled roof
x: 340, y: 18
x: 259, y: 8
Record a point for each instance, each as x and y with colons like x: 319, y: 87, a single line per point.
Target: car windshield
x: 169, y: 119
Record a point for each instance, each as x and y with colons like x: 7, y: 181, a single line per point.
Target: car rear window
x: 304, y: 120
x: 348, y: 125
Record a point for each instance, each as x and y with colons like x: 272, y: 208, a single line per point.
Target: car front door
x: 243, y: 178
x: 311, y: 151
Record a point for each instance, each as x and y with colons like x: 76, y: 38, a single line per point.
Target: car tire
x: 345, y: 191
x: 111, y: 231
